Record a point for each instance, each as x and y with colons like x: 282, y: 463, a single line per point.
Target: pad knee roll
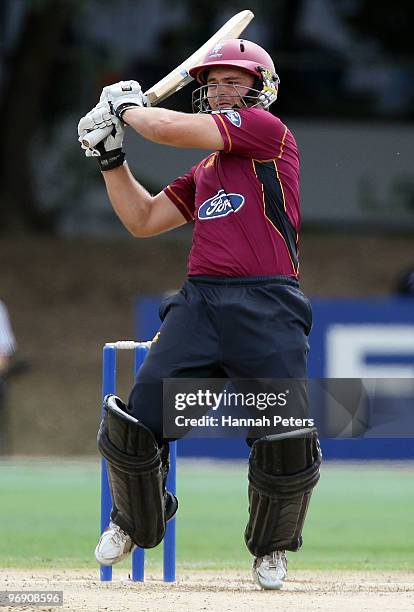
x: 135, y: 474
x: 283, y: 470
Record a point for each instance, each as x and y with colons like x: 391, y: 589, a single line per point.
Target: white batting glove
x: 123, y: 95
x: 98, y: 118
x: 109, y: 150
x: 271, y: 81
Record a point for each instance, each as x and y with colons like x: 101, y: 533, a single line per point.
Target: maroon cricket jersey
x: 244, y: 200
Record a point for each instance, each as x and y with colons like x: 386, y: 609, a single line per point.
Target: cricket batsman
x: 240, y: 313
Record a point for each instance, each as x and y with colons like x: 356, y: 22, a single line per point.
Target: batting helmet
x: 244, y: 55
x: 237, y: 53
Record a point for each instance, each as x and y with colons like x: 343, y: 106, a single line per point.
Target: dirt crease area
x: 221, y: 591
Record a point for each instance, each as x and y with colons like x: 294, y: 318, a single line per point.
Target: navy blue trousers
x: 255, y: 327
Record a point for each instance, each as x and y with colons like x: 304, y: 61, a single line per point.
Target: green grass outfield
x: 361, y: 516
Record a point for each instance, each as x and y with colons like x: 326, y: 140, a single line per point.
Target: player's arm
x: 142, y: 214
x: 176, y: 129
x: 160, y: 124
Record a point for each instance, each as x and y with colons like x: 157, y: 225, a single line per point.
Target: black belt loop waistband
x: 244, y: 280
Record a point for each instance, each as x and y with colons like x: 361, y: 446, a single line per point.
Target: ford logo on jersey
x: 220, y: 205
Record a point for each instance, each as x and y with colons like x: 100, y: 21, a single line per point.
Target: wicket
x: 109, y: 386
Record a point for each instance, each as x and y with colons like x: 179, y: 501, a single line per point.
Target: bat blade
x: 180, y: 77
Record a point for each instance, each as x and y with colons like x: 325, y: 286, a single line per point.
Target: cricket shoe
x: 113, y: 546
x: 270, y: 571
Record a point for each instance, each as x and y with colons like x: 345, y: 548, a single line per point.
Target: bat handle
x: 91, y: 139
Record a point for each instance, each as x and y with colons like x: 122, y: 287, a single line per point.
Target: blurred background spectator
x: 7, y: 350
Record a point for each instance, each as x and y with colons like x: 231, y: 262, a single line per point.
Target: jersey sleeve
x: 251, y: 132
x: 181, y: 192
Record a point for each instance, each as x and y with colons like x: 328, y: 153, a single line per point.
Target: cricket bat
x: 179, y: 77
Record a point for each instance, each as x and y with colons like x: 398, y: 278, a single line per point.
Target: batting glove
x: 124, y: 95
x: 108, y: 152
x: 271, y: 81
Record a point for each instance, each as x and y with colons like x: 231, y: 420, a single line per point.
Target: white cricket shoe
x: 113, y: 546
x: 270, y: 571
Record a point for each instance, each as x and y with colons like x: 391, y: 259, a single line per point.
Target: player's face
x: 227, y: 86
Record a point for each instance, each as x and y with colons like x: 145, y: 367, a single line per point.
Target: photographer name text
x: 229, y: 421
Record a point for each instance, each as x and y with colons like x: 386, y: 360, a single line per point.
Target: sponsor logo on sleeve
x: 220, y: 205
x: 234, y: 117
